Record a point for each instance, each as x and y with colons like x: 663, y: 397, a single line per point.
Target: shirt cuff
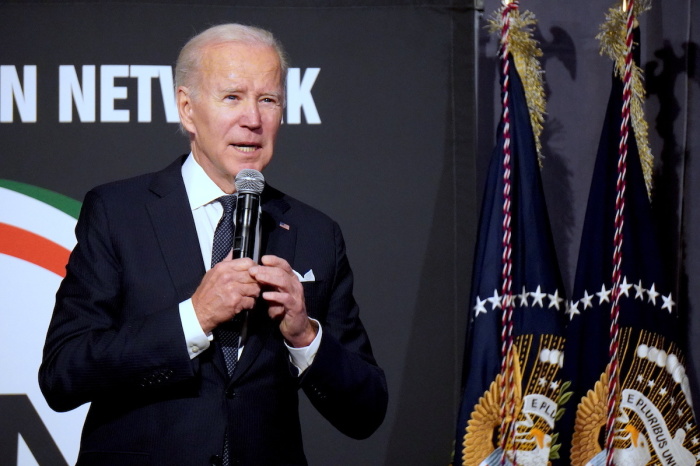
x: 303, y: 357
x: 195, y: 338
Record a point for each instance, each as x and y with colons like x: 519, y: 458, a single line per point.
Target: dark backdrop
x: 408, y: 101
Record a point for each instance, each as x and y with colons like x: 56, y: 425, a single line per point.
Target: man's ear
x: 184, y: 108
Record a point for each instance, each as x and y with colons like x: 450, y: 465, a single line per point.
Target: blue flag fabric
x: 539, y: 307
x: 654, y: 421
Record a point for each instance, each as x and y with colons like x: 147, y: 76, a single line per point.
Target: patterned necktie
x: 229, y: 332
x: 223, y: 236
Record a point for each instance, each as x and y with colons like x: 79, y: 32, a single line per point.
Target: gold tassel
x: 526, y: 52
x: 612, y: 37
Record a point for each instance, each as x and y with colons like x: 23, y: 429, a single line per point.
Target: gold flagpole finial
x: 625, y: 6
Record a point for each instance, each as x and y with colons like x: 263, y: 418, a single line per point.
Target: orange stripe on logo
x: 33, y: 248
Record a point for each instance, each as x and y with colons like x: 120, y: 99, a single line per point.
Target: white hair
x: 190, y: 58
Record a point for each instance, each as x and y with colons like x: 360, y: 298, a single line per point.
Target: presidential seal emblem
x: 536, y: 392
x: 654, y: 423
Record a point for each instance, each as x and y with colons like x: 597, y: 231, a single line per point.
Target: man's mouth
x: 245, y: 147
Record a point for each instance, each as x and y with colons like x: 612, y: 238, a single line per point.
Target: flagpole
x: 613, y: 376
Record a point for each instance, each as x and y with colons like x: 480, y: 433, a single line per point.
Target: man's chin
x: 252, y: 165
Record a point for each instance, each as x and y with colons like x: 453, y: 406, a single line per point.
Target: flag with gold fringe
x: 630, y: 402
x: 513, y: 355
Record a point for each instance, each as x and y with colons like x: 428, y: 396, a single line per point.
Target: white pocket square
x: 307, y: 277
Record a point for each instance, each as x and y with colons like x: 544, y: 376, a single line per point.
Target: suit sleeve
x: 344, y: 383
x: 99, y: 344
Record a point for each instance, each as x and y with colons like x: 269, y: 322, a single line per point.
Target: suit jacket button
x: 216, y: 460
x: 230, y: 393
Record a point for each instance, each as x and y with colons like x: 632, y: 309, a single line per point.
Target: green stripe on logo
x: 59, y: 201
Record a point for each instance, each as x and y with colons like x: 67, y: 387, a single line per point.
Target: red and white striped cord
x: 507, y: 387
x: 613, y: 374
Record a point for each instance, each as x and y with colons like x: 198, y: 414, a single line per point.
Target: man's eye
x: 231, y: 97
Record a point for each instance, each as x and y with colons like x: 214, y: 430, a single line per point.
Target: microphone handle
x: 245, y: 240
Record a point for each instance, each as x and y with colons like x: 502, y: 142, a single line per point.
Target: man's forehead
x: 223, y: 53
x: 237, y: 60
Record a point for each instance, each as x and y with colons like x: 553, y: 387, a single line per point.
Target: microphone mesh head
x: 250, y: 181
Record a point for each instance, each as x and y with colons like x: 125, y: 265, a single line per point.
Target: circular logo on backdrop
x: 36, y: 237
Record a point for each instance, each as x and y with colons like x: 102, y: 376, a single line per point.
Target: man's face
x: 236, y: 112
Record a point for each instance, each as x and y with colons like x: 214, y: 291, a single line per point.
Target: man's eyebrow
x: 230, y: 90
x: 234, y: 90
x: 273, y: 94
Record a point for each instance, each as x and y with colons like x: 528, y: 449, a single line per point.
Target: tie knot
x: 228, y: 202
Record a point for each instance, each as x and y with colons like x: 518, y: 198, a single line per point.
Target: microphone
x: 246, y: 236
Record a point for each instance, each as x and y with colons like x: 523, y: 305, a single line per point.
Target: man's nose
x: 250, y: 117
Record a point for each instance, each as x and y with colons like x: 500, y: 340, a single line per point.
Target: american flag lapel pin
x: 284, y: 225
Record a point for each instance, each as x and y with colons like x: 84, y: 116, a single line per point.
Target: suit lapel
x: 172, y: 221
x: 173, y: 225
x: 259, y: 329
x: 279, y: 233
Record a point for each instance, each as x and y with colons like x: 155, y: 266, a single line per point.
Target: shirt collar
x: 201, y: 190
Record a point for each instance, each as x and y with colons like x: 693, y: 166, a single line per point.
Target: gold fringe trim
x: 612, y: 36
x: 526, y: 52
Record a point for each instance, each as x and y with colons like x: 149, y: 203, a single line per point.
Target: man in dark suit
x: 139, y: 319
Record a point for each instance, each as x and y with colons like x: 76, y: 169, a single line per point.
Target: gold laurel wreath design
x: 590, y: 419
x: 486, y: 419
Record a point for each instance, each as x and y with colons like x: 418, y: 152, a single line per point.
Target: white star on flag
x: 625, y: 288
x: 668, y: 303
x: 495, y: 300
x: 652, y: 294
x: 555, y: 300
x: 587, y: 300
x: 573, y: 310
x: 639, y: 289
x: 523, y: 297
x: 537, y: 296
x: 480, y: 308
x: 603, y: 294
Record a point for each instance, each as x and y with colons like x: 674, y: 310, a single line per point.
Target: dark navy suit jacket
x: 116, y: 339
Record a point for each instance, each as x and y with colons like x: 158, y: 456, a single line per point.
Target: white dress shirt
x: 202, y: 193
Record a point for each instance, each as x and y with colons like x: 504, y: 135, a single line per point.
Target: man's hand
x: 285, y: 295
x: 226, y: 289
